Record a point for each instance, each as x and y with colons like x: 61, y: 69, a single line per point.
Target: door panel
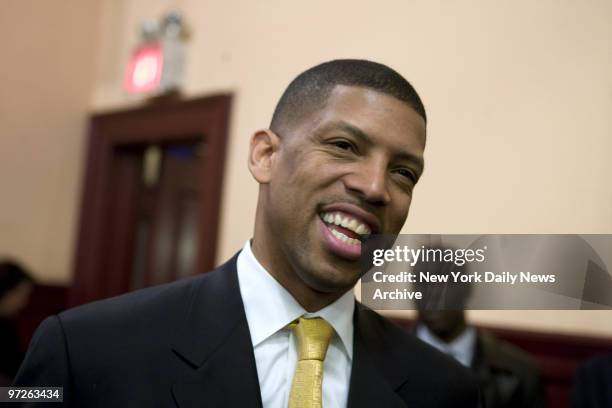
x: 175, y: 219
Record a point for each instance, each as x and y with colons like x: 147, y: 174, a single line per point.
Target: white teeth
x: 346, y: 222
x: 337, y: 219
x: 344, y: 238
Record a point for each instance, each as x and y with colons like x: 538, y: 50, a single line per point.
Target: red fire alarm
x: 157, y: 64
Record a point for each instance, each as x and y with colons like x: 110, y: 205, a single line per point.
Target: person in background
x: 508, y: 376
x: 15, y: 289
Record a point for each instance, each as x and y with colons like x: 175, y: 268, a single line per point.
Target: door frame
x: 160, y: 123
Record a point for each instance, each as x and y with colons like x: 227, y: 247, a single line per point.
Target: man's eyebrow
x: 365, y: 138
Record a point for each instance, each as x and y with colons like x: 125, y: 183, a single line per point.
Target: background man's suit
x: 187, y: 344
x: 508, y: 376
x: 593, y: 387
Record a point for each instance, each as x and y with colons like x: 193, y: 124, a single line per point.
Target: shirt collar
x: 269, y: 307
x: 461, y: 348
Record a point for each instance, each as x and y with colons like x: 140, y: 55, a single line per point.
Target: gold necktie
x: 313, y: 339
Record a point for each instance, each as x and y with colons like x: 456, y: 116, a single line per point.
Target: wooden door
x: 151, y: 196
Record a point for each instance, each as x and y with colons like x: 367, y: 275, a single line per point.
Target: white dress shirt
x: 269, y: 309
x: 461, y: 348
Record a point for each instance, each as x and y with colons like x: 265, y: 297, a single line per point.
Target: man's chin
x: 326, y: 272
x: 333, y: 281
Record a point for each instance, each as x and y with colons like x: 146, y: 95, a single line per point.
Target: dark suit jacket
x: 508, y: 376
x: 593, y: 387
x: 187, y: 344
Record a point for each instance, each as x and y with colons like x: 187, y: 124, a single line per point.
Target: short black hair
x: 12, y: 274
x: 310, y: 90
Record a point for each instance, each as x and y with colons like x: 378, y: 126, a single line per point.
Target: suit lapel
x: 380, y: 365
x: 368, y: 388
x: 215, y: 344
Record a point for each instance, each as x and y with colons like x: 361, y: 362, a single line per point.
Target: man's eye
x: 344, y: 145
x: 408, y: 174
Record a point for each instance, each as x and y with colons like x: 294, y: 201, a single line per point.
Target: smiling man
x: 277, y: 325
x: 342, y: 169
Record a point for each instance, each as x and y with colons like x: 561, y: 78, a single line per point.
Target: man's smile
x: 344, y: 226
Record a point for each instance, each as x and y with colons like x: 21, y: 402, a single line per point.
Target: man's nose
x: 369, y: 180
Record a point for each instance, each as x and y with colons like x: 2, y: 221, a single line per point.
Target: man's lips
x: 338, y: 242
x: 344, y: 226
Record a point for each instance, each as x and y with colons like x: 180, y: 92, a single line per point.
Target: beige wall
x: 518, y: 96
x: 46, y: 78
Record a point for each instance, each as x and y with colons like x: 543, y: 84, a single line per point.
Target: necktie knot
x: 313, y: 337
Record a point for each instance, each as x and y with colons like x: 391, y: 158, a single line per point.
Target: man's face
x: 443, y: 323
x: 343, y: 172
x: 15, y: 300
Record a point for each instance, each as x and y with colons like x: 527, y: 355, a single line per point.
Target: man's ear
x: 262, y: 154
